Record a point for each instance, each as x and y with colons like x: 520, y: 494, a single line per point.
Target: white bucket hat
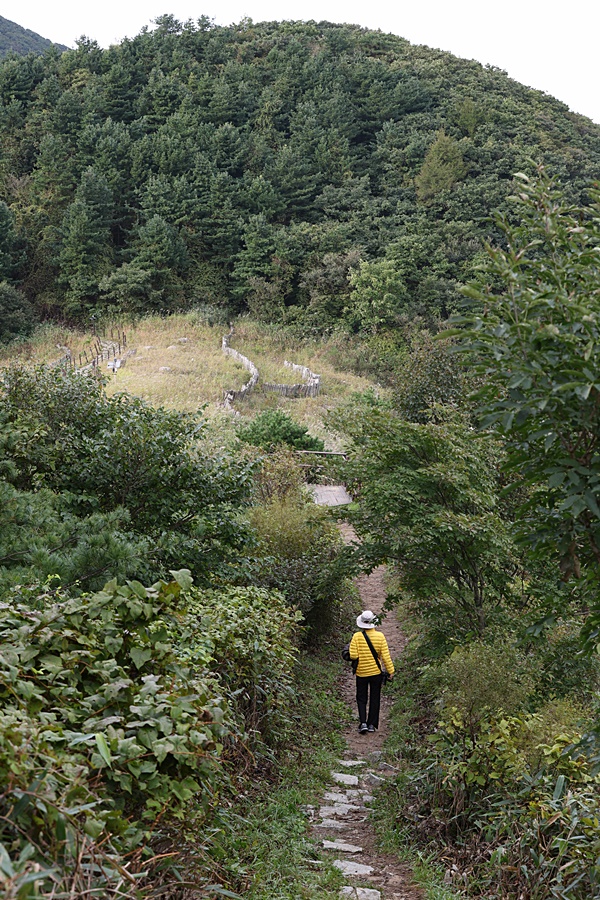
x: 367, y: 619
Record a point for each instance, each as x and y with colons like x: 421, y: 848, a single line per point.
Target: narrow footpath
x: 342, y: 824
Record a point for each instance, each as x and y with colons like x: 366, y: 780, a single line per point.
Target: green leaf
x: 183, y: 577
x: 93, y: 827
x: 6, y: 865
x: 592, y: 503
x: 140, y: 657
x: 32, y: 877
x: 558, y: 789
x: 104, y: 749
x: 448, y: 332
x: 568, y: 386
x: 583, y: 391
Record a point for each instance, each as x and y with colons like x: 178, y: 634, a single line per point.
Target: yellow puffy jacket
x: 359, y: 649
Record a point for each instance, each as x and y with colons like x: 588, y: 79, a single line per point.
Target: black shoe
x: 371, y: 729
x: 362, y: 728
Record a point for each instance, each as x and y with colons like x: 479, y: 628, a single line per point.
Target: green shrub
x: 108, y: 454
x: 299, y: 553
x: 248, y: 638
x: 58, y: 830
x: 564, y: 670
x: 558, y: 723
x: 278, y: 476
x: 546, y: 843
x: 102, y: 729
x: 480, y: 678
x: 273, y: 428
x: 502, y: 795
x: 17, y: 316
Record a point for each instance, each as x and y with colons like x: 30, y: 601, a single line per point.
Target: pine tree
x: 86, y: 251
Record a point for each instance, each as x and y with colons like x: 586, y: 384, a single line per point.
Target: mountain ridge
x: 322, y: 176
x: 16, y: 39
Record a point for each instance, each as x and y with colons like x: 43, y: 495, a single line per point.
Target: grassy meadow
x: 177, y: 362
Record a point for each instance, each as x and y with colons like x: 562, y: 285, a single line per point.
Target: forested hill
x: 15, y: 39
x: 314, y: 173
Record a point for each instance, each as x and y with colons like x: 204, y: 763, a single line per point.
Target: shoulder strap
x: 372, y: 649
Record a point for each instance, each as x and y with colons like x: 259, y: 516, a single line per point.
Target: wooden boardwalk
x: 330, y: 494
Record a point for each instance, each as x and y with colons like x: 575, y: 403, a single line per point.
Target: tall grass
x: 45, y: 345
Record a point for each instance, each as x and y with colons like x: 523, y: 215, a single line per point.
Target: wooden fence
x: 246, y: 389
x: 310, y: 388
x: 102, y: 349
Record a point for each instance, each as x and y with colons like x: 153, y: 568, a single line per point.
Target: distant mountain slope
x: 317, y: 174
x: 15, y: 39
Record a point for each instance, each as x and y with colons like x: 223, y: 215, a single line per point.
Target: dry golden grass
x: 167, y: 370
x: 46, y: 346
x: 336, y: 386
x: 177, y: 363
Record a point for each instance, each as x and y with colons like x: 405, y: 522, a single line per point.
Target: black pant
x: 364, y: 687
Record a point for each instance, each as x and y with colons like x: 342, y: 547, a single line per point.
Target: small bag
x: 347, y: 658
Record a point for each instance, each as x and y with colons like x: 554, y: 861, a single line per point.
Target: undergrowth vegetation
x: 489, y: 781
x: 131, y: 720
x: 105, y: 735
x: 138, y: 714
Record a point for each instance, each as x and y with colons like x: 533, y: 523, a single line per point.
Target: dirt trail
x: 343, y: 821
x: 372, y: 592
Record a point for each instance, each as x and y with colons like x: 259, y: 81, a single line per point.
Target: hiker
x: 369, y: 672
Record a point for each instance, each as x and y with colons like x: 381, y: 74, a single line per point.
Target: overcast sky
x: 552, y: 48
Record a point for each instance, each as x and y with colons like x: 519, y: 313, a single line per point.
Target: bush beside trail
x: 117, y: 709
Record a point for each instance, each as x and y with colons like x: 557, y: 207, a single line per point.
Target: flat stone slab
x: 374, y: 780
x: 342, y: 778
x: 355, y: 893
x: 342, y: 846
x: 337, y: 797
x: 352, y: 762
x: 347, y: 867
x: 354, y: 794
x: 338, y: 809
x: 334, y: 824
x: 329, y: 494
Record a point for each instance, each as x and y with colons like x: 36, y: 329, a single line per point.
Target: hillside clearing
x: 178, y: 363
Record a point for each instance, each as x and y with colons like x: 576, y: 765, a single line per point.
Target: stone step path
x: 341, y: 825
